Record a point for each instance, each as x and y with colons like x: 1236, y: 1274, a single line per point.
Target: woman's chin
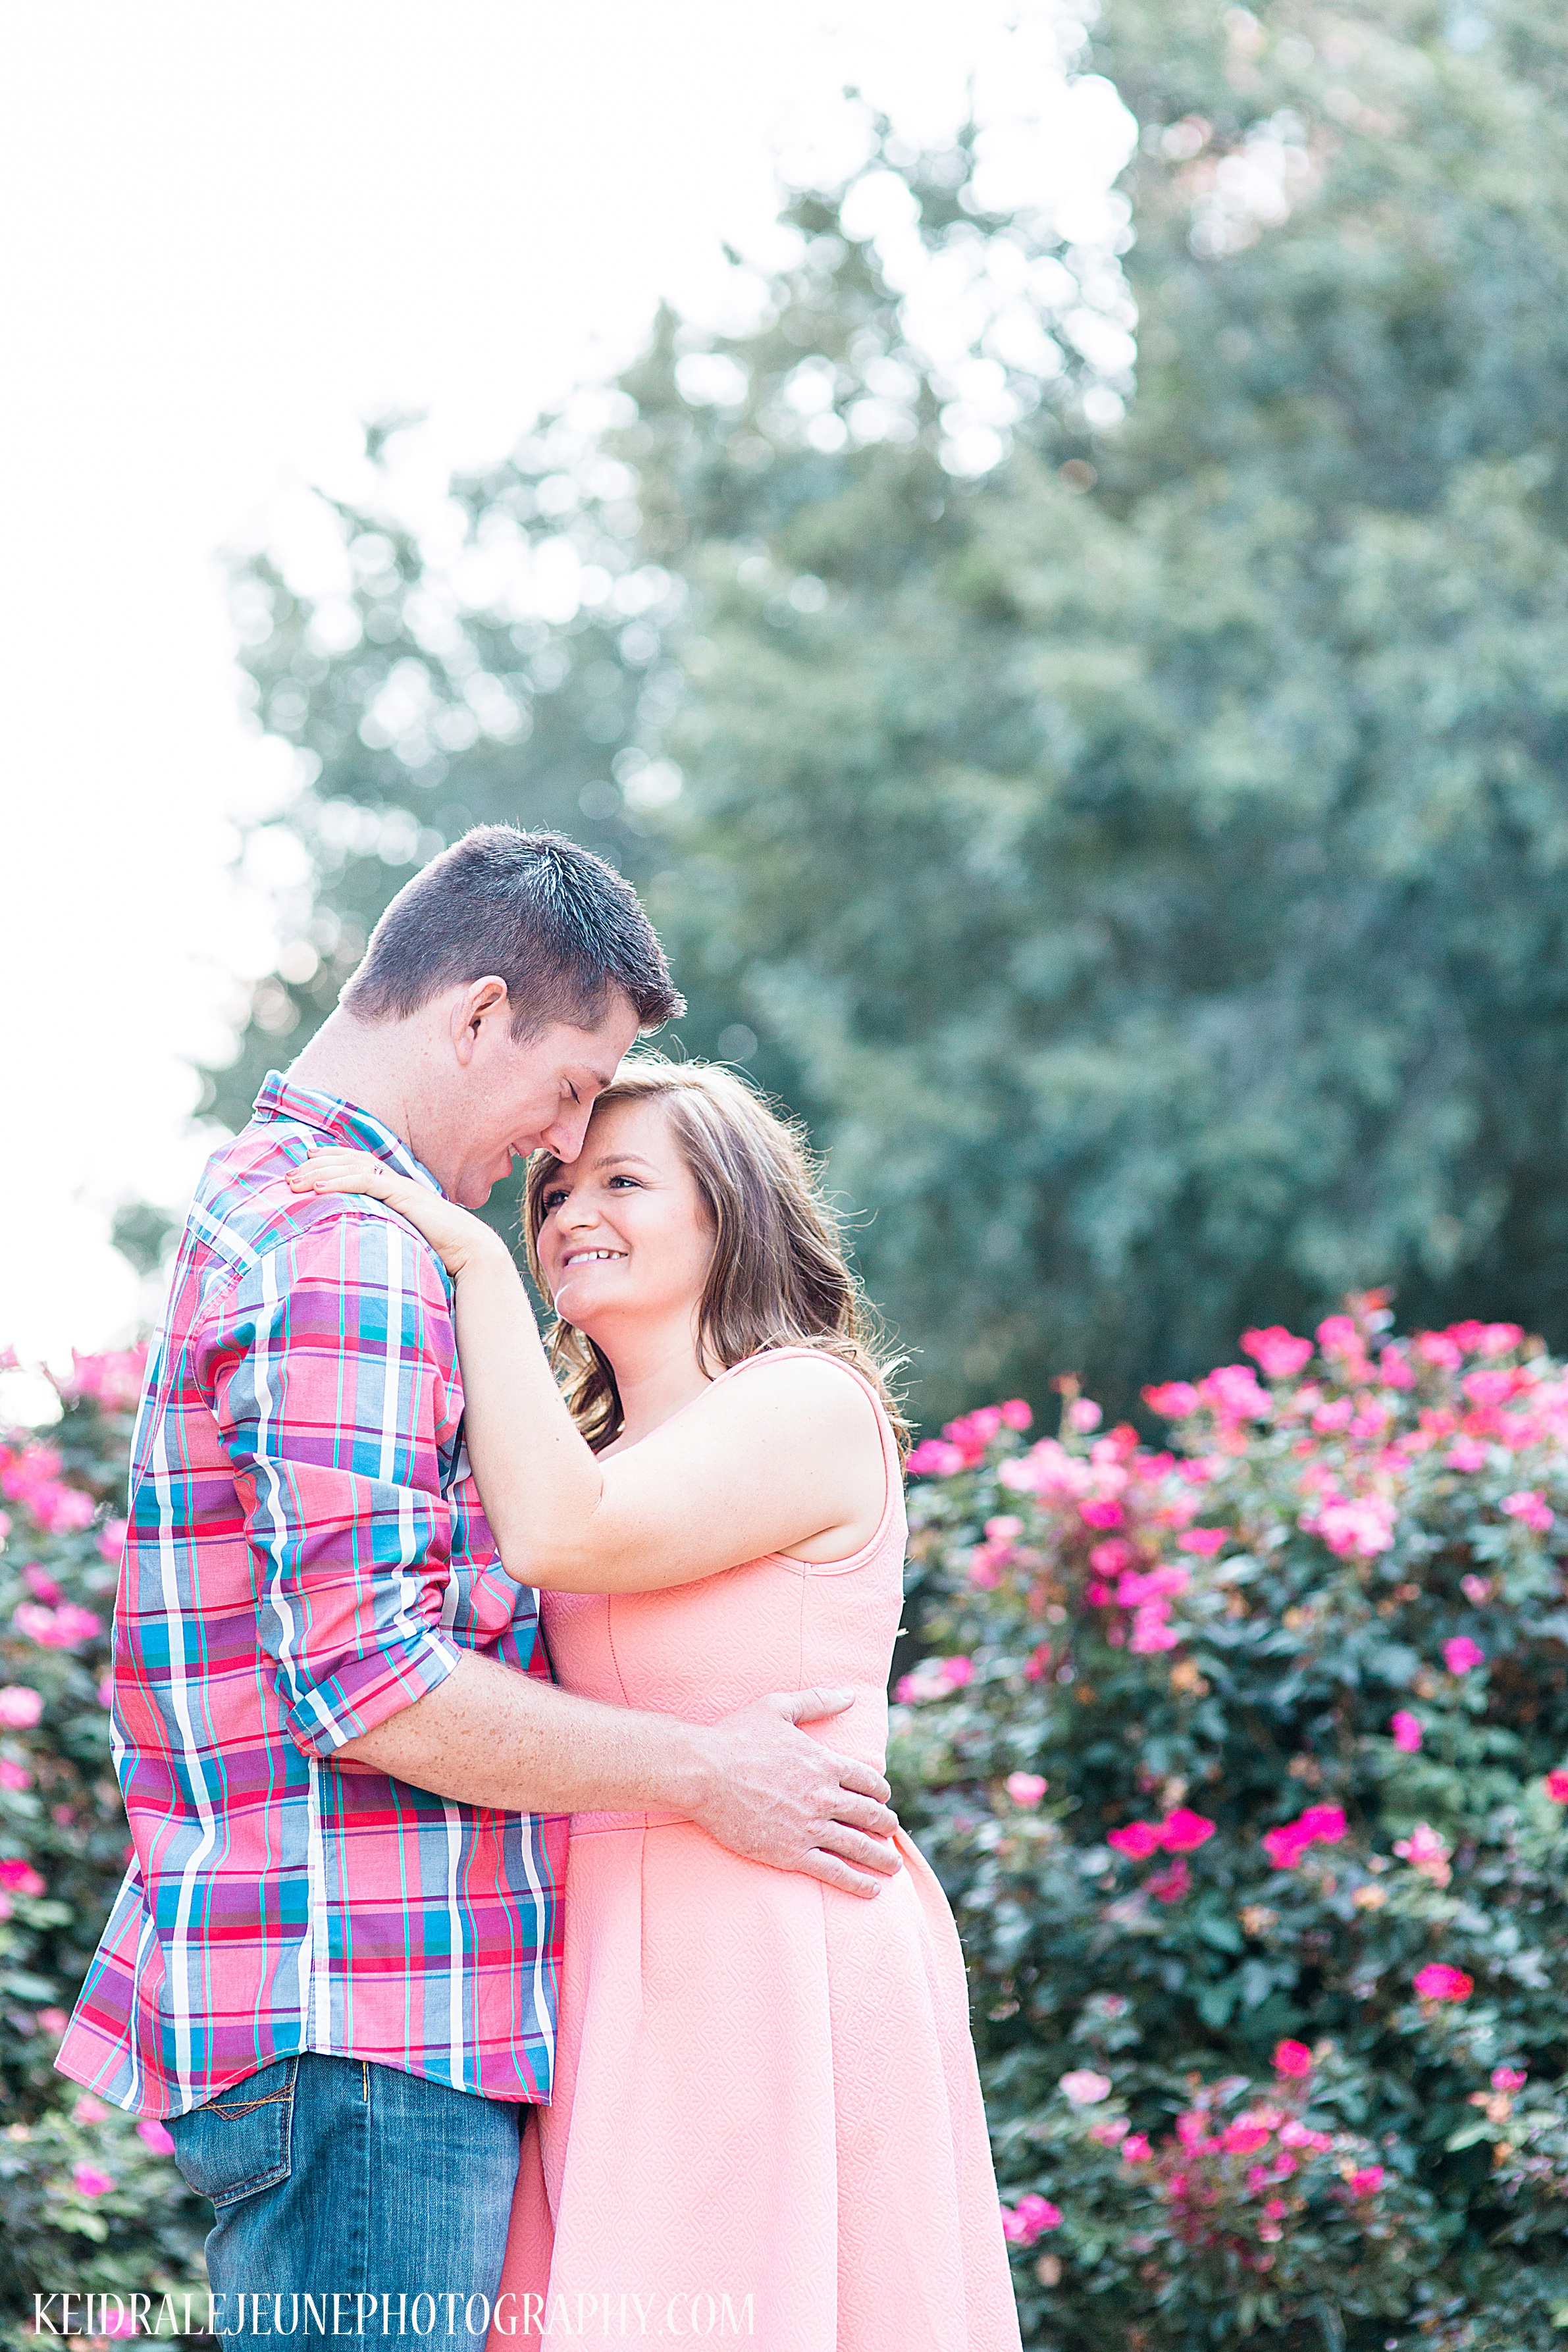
x: 576, y: 1304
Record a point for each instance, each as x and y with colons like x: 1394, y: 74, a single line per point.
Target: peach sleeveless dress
x: 764, y: 2088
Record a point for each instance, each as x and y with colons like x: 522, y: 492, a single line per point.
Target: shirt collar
x: 338, y: 1122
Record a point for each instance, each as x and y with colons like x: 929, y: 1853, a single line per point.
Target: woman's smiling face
x: 625, y: 1233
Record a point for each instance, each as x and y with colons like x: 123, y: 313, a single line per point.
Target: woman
x: 765, y: 2087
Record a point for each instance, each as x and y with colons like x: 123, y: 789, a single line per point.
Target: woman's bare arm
x: 797, y: 1434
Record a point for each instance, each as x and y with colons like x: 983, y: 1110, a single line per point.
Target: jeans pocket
x: 240, y: 2142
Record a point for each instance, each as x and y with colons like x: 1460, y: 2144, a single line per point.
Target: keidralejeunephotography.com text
x: 610, y: 2312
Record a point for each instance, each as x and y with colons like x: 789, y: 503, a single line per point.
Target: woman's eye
x: 552, y: 1201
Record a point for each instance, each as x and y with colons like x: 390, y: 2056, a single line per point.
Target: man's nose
x: 565, y: 1136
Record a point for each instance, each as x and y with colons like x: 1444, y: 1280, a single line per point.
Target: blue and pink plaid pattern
x: 307, y: 1554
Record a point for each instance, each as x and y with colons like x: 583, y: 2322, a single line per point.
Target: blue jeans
x: 352, y: 2200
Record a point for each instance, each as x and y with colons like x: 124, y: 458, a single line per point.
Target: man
x: 331, y: 1965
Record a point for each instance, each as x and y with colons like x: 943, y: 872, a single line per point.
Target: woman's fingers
x: 338, y: 1172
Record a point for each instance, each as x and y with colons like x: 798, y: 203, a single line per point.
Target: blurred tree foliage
x: 1137, y: 840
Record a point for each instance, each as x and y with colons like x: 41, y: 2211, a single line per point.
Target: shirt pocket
x: 241, y: 2142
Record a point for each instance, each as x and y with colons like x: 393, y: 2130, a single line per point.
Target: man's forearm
x: 491, y: 1735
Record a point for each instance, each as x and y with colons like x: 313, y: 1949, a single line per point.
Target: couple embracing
x: 409, y: 1606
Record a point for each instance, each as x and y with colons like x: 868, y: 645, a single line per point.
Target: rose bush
x: 1245, y: 1760
x: 90, y: 2200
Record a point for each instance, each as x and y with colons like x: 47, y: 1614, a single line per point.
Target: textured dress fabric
x: 767, y: 2119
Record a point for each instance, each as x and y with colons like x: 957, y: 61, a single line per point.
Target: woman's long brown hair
x: 778, y: 1277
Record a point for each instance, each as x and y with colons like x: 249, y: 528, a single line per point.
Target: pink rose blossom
x: 1205, y: 1541
x: 1355, y: 1530
x: 1439, y: 1981
x: 1475, y: 1589
x: 1319, y: 1825
x: 64, y: 1628
x: 1293, y: 2060
x: 1278, y: 1352
x: 1136, y: 2148
x: 1323, y: 1824
x: 1104, y: 1513
x: 1461, y: 1654
x: 1172, y: 1400
x: 111, y: 1378
x: 1557, y: 1786
x: 1138, y: 1839
x: 41, y: 1587
x: 1234, y: 1392
x: 152, y: 2135
x: 1031, y: 2219
x: 934, y: 1458
x: 1509, y: 2078
x: 53, y: 2020
x: 13, y: 1776
x: 1395, y: 1368
x: 1134, y: 1590
x: 1169, y: 1885
x: 1183, y: 1831
x: 20, y: 1705
x: 1367, y: 2181
x: 111, y: 1538
x: 19, y: 1877
x: 1151, y: 1631
x: 1299, y: 2135
x: 1466, y: 1454
x: 1532, y: 1507
x: 60, y: 1511
x: 1244, y: 2137
x: 1436, y: 1348
x: 933, y: 1678
x: 1015, y: 1413
x: 1425, y: 1851
x: 1407, y: 1732
x: 1026, y: 1788
x: 1084, y: 2087
x: 88, y: 2110
x: 91, y: 2181
x: 1083, y: 1414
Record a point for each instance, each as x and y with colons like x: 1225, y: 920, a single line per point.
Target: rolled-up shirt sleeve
x: 324, y: 1365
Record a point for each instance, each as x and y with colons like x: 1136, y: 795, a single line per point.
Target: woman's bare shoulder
x: 807, y: 1385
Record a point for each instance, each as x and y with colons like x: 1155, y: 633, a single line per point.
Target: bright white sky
x: 232, y: 231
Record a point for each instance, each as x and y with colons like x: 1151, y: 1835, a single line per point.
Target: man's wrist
x: 685, y: 1770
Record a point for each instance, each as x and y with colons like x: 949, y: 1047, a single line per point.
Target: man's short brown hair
x: 564, y: 932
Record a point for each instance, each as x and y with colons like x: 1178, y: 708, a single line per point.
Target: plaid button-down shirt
x: 307, y: 1554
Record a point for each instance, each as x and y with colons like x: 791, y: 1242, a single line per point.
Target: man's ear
x: 481, y: 1002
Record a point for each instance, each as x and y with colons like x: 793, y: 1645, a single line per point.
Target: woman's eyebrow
x: 613, y: 1158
